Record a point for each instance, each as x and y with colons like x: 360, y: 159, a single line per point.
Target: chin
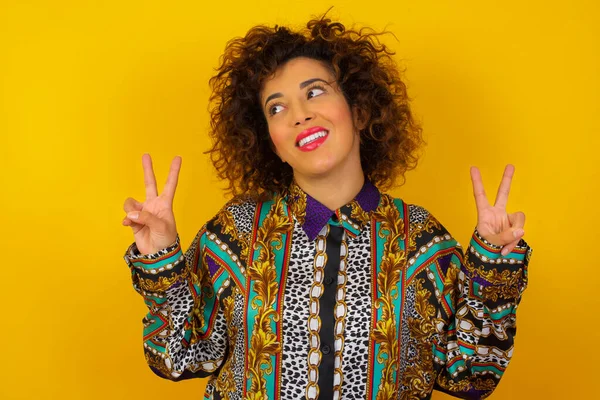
x: 318, y: 170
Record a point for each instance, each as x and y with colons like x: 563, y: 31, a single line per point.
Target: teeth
x: 312, y: 138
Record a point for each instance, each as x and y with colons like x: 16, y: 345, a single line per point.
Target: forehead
x: 289, y: 75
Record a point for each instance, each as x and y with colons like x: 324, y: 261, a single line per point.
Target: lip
x: 312, y: 145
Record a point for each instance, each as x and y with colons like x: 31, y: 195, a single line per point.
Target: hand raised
x: 153, y: 221
x: 494, y: 224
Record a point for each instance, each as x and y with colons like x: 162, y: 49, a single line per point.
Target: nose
x: 305, y: 120
x: 302, y: 114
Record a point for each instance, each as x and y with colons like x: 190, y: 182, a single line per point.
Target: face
x: 310, y: 123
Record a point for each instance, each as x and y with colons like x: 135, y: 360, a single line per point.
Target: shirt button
x: 328, y: 280
x: 326, y: 349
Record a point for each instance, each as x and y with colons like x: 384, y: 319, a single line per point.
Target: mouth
x: 311, y: 138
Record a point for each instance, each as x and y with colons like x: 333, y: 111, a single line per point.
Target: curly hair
x: 242, y: 152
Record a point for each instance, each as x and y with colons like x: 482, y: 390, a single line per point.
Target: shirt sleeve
x: 482, y: 290
x: 184, y: 333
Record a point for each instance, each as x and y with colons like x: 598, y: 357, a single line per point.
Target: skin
x: 335, y: 164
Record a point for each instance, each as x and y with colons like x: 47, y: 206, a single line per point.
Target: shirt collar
x: 313, y: 216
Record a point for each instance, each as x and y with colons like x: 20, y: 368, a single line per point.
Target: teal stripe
x: 346, y: 225
x: 226, y: 259
x: 444, y: 245
x: 466, y: 350
x: 158, y: 264
x: 439, y: 354
x: 454, y: 367
x: 397, y: 291
x: 152, y: 301
x: 158, y: 323
x: 438, y: 279
x: 155, y: 346
x: 221, y: 279
x: 376, y: 366
x: 487, y: 368
x: 209, y: 308
x: 501, y: 314
x: 485, y: 252
x: 516, y: 256
x: 251, y: 312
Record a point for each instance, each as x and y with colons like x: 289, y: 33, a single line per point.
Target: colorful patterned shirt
x: 286, y: 299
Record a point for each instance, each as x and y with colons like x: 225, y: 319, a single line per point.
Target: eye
x: 315, y: 91
x: 275, y: 108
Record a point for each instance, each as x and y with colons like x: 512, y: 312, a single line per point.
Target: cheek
x: 342, y: 115
x: 277, y: 138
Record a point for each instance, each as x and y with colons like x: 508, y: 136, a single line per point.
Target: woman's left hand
x: 494, y: 224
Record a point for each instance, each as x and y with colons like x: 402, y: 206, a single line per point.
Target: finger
x: 145, y: 218
x: 132, y: 205
x: 509, y: 247
x: 134, y: 227
x: 504, y: 188
x: 509, y: 236
x: 172, y: 179
x: 149, y: 179
x: 517, y: 220
x: 481, y: 200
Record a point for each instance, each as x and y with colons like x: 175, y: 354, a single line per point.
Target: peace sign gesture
x: 494, y: 224
x: 152, y: 221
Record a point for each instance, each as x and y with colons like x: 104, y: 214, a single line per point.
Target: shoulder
x: 412, y: 213
x: 237, y: 214
x: 422, y: 224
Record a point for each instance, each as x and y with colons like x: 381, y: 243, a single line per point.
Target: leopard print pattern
x: 206, y: 355
x: 417, y: 214
x: 355, y: 358
x: 295, y: 316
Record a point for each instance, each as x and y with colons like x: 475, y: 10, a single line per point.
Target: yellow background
x: 86, y: 87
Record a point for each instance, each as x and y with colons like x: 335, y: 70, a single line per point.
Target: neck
x: 334, y: 190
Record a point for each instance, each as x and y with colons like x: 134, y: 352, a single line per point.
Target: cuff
x: 491, y: 272
x: 166, y: 259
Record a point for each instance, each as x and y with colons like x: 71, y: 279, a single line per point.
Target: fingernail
x: 504, y: 252
x: 133, y: 215
x: 518, y: 233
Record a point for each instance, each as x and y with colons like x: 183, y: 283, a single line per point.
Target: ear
x: 359, y: 118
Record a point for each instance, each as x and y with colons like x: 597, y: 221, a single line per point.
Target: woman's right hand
x: 153, y: 221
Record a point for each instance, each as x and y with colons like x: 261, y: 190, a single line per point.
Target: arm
x: 184, y: 330
x: 483, y: 289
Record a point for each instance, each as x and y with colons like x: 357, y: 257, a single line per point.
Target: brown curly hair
x: 242, y: 152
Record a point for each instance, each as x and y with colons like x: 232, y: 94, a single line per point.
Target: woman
x: 311, y: 283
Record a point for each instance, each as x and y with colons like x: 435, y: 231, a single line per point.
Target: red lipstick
x: 311, y: 138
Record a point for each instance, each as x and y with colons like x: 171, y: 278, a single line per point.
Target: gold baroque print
x: 225, y: 382
x: 419, y: 377
x: 505, y: 285
x: 162, y: 283
x: 297, y: 202
x: 417, y: 229
x: 198, y: 323
x: 450, y: 282
x: 393, y: 260
x: 263, y: 342
x: 452, y: 386
x: 358, y: 214
x: 227, y: 223
x: 488, y: 384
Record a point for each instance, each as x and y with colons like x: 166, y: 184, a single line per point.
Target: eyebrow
x: 302, y: 86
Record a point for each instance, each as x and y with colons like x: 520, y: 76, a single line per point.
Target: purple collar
x: 313, y: 215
